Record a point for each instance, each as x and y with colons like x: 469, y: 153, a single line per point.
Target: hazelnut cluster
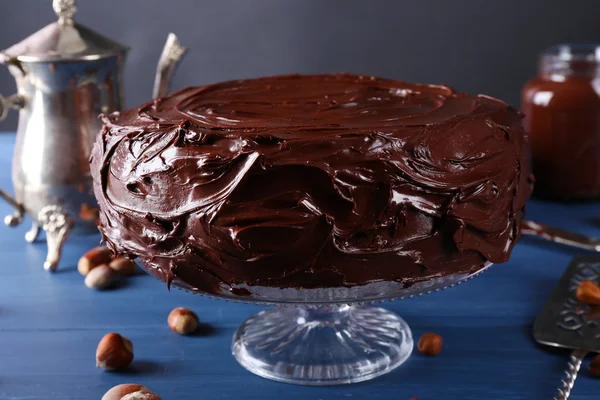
x: 101, y: 269
x: 114, y: 351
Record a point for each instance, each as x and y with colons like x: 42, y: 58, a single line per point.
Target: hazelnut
x: 588, y: 292
x: 183, y: 321
x: 124, y: 266
x: 93, y: 258
x: 114, y: 352
x: 141, y: 395
x: 102, y: 277
x: 430, y: 344
x: 594, y: 366
x: 117, y: 392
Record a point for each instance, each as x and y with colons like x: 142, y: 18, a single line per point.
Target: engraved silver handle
x: 571, y: 372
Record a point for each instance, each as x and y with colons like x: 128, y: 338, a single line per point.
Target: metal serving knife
x: 561, y: 236
x: 565, y: 322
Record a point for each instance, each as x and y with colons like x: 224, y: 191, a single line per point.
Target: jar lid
x: 573, y: 52
x: 581, y: 60
x: 64, y: 40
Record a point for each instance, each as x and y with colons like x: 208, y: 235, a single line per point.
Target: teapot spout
x: 172, y: 53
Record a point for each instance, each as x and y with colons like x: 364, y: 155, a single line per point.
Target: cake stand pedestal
x: 322, y: 346
x: 322, y: 337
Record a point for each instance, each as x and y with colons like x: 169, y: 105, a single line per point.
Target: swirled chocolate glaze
x: 312, y: 181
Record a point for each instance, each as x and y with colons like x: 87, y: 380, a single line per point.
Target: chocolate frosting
x: 312, y: 181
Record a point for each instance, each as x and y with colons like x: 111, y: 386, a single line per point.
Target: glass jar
x: 562, y: 116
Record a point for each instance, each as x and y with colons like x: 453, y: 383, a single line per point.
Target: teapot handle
x: 15, y: 101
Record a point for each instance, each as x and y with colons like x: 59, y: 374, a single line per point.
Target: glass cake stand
x: 322, y: 337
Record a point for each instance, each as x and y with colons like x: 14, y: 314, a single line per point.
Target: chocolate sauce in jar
x: 562, y: 116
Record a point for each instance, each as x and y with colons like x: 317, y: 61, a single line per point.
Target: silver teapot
x: 66, y: 75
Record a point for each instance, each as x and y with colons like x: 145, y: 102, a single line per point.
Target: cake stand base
x: 322, y: 346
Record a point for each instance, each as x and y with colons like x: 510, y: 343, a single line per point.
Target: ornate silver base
x: 16, y: 217
x: 57, y: 224
x: 33, y: 233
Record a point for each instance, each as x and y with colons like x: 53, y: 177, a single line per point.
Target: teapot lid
x: 63, y: 40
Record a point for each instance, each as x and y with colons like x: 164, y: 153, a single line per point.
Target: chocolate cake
x: 311, y: 182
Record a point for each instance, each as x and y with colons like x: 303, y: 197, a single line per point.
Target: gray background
x: 478, y: 46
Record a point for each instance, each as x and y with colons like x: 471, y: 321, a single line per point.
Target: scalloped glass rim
x: 372, y: 292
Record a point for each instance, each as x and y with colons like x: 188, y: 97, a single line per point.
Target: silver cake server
x: 566, y: 322
x: 561, y: 236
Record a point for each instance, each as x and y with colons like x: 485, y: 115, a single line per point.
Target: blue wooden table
x: 50, y: 325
